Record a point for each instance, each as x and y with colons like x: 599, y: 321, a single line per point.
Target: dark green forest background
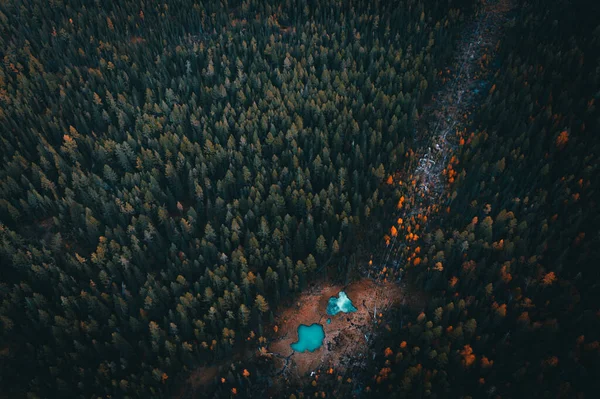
x: 173, y: 171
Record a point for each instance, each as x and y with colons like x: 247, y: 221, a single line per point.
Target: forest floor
x: 346, y: 337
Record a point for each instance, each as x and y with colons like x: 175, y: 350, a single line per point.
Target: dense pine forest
x: 175, y: 174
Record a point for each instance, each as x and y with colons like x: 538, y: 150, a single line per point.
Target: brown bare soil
x: 346, y: 338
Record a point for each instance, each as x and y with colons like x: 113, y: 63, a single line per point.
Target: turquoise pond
x: 310, y: 338
x: 340, y: 304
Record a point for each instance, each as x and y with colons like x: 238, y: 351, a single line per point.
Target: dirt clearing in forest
x: 346, y: 337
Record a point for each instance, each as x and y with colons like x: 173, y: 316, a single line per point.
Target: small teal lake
x: 310, y: 338
x: 340, y: 304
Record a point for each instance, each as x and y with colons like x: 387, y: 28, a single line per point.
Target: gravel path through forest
x: 441, y: 127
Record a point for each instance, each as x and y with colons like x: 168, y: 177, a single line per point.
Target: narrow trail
x: 426, y: 179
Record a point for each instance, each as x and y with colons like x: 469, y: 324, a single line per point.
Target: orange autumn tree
x: 486, y: 363
x: 549, y: 279
x: 387, y: 239
x: 468, y: 358
x: 562, y: 139
x: 383, y: 374
x: 400, y: 202
x: 501, y: 310
x: 505, y: 273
